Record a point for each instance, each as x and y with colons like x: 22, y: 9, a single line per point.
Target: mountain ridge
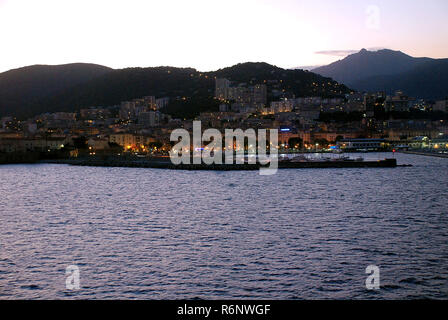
x: 390, y: 71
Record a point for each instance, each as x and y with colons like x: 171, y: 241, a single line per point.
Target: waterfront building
x: 419, y: 142
x: 98, y: 144
x: 439, y: 143
x: 126, y: 140
x: 20, y: 144
x: 362, y: 144
x: 436, y: 144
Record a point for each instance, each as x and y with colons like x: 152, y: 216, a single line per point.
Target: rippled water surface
x: 160, y: 234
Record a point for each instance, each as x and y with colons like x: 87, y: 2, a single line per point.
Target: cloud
x: 339, y: 53
x: 344, y: 53
x: 376, y: 48
x: 308, y: 68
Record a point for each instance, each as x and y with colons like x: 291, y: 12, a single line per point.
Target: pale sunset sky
x: 208, y: 34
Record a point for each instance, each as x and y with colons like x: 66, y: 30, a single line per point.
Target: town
x: 352, y: 122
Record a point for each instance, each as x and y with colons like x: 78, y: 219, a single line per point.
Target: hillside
x: 19, y: 88
x: 299, y: 82
x: 191, y: 90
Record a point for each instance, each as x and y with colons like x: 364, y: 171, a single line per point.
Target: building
x: 373, y: 102
x: 419, y: 142
x: 66, y: 116
x: 162, y: 102
x: 281, y: 106
x: 439, y: 143
x: 441, y: 105
x: 149, y: 119
x: 224, y: 107
x: 259, y: 94
x: 149, y: 102
x: 362, y: 144
x: 98, y: 144
x: 32, y: 144
x: 5, y: 120
x: 243, y: 108
x: 222, y: 88
x: 127, y: 110
x: 399, y: 102
x: 95, y: 113
x: 423, y: 142
x: 255, y: 95
x: 12, y: 145
x: 239, y: 94
x: 126, y: 140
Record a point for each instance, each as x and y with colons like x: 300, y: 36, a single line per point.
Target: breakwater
x: 19, y: 157
x: 165, y: 163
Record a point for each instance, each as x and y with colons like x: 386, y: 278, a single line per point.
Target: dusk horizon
x: 309, y: 33
x: 339, y: 54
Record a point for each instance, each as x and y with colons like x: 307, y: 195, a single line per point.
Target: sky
x: 209, y: 34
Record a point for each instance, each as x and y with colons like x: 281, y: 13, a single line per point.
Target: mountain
x: 21, y: 87
x: 428, y: 81
x: 389, y: 70
x: 191, y: 91
x: 366, y: 64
